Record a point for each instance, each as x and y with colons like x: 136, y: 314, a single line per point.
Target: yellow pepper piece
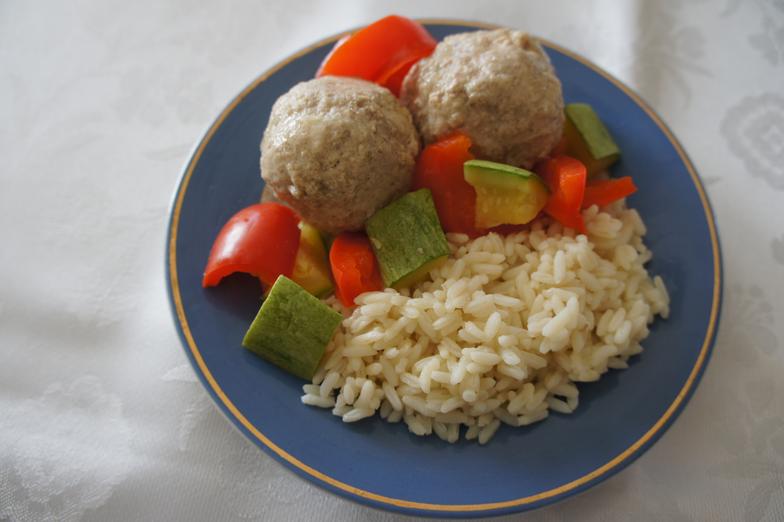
x: 505, y: 195
x: 311, y: 267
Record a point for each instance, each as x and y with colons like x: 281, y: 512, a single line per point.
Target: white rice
x: 501, y: 332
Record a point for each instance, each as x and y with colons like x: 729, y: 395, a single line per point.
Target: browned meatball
x: 497, y: 86
x: 337, y: 150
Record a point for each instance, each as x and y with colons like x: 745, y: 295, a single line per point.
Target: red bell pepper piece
x: 382, y: 52
x: 440, y: 169
x: 602, y: 192
x: 566, y: 178
x: 354, y: 267
x: 261, y: 240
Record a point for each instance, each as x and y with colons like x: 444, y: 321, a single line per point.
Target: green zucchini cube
x: 588, y: 140
x: 292, y: 329
x: 407, y: 239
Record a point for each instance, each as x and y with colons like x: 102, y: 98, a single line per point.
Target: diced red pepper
x: 602, y: 192
x: 261, y: 240
x: 354, y: 267
x: 566, y: 178
x: 440, y: 169
x: 382, y: 52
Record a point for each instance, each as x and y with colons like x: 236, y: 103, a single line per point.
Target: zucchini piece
x: 588, y: 140
x: 505, y: 195
x: 292, y: 329
x: 311, y: 268
x: 407, y: 239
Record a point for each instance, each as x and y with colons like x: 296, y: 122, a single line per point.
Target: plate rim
x: 239, y: 421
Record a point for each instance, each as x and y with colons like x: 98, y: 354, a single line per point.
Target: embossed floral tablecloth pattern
x: 101, y: 418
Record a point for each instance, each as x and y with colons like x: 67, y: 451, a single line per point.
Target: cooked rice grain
x: 501, y: 332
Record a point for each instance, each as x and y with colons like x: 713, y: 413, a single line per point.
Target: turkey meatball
x: 498, y: 87
x: 337, y: 150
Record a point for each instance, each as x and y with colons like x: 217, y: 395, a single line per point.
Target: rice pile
x: 500, y: 333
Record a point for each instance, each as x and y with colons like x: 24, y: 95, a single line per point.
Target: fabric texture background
x: 102, y: 418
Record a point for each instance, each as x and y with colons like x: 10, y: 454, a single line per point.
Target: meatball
x: 497, y: 86
x: 338, y: 149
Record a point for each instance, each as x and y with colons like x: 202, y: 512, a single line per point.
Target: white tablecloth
x: 102, y: 418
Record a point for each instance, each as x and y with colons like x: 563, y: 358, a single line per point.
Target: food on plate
x: 354, y: 267
x: 407, y: 239
x: 601, y: 192
x: 292, y: 329
x: 588, y: 140
x: 382, y: 52
x: 261, y: 240
x: 497, y: 87
x: 474, y: 284
x: 504, y: 194
x: 501, y: 332
x: 566, y: 178
x: 440, y: 169
x: 311, y: 266
x: 338, y: 149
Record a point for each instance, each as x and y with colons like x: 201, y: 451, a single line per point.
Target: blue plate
x: 381, y: 464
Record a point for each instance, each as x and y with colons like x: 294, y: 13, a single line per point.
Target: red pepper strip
x: 335, y: 49
x: 440, y: 169
x: 394, y: 79
x: 382, y: 52
x: 602, y: 192
x: 261, y: 240
x: 354, y: 267
x: 566, y: 178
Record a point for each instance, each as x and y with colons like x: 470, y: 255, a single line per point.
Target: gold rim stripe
x: 560, y: 490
